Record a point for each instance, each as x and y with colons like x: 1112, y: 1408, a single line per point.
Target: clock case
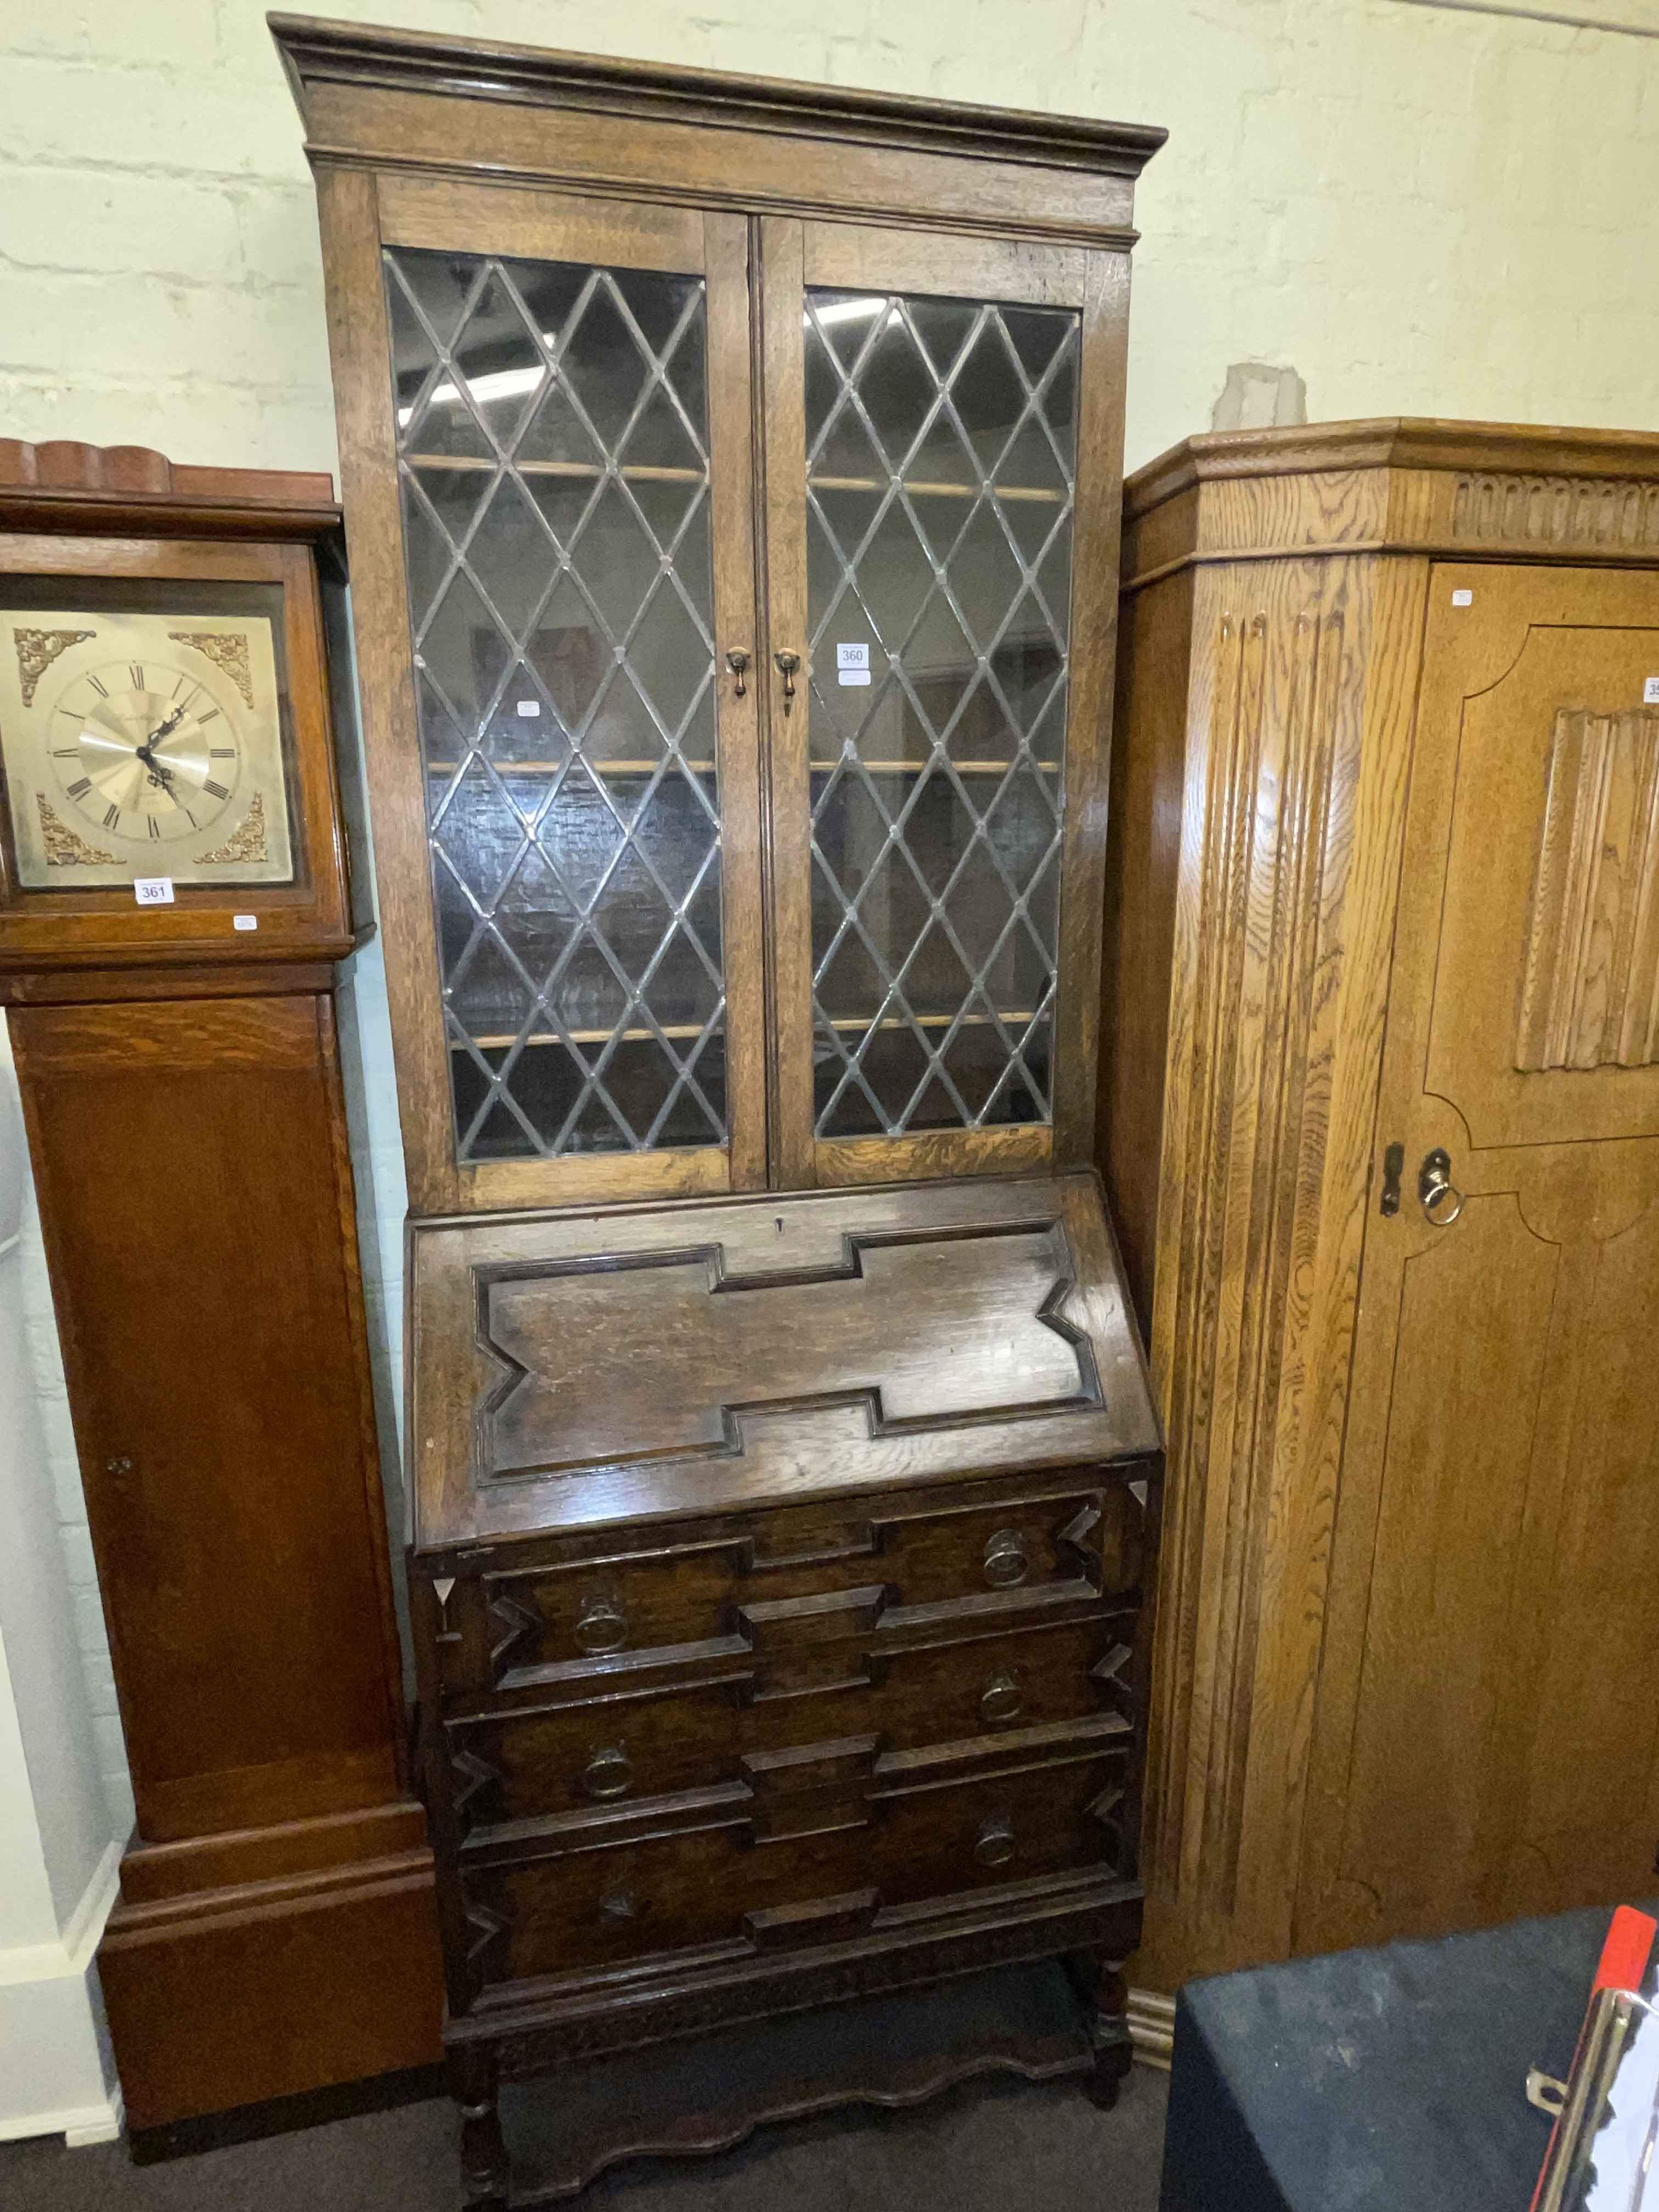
x: 84, y: 515
x: 181, y: 1090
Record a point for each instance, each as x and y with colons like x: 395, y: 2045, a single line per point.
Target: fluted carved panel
x: 1297, y: 715
x: 1549, y: 510
x: 1590, y: 997
x: 1254, y: 1101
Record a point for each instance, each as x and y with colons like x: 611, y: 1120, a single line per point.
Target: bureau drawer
x: 559, y: 1756
x: 570, y: 1903
x: 723, y: 1591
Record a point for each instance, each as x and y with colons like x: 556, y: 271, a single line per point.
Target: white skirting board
x: 57, y: 2076
x: 1152, y: 2027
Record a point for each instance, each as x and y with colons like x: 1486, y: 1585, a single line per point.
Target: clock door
x: 940, y: 460
x: 574, y: 721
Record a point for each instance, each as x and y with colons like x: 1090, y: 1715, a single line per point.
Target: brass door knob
x: 601, y: 1624
x: 994, y: 1846
x: 737, y: 660
x: 788, y: 662
x: 1006, y: 1563
x: 1000, y: 1701
x: 608, y: 1772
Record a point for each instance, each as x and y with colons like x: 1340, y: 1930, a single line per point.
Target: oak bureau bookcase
x: 731, y: 473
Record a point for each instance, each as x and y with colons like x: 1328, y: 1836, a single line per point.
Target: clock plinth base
x: 271, y: 1962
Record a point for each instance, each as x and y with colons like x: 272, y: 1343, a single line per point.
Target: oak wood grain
x: 782, y: 433
x: 1508, y: 1446
x: 1366, y: 1631
x: 730, y: 410
x: 247, y: 1089
x: 359, y: 346
x: 1089, y: 715
x: 453, y: 215
x: 860, y: 257
x: 1294, y: 754
x: 795, y: 1407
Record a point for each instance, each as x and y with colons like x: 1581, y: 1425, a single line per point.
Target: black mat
x: 1387, y: 2080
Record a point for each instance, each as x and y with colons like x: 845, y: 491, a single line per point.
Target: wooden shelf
x: 634, y: 472
x: 627, y: 767
x: 915, y: 768
x: 681, y: 1032
x: 919, y: 488
x: 616, y: 768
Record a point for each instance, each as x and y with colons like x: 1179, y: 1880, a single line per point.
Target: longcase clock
x: 174, y: 892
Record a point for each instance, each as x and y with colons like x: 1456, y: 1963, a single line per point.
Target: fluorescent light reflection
x: 853, y: 311
x: 499, y: 384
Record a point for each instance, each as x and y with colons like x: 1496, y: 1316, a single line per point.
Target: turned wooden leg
x: 473, y: 2080
x: 1107, y: 1995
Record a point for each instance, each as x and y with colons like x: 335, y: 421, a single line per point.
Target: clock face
x: 151, y: 754
x: 142, y: 745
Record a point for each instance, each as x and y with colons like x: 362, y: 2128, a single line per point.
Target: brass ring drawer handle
x: 608, y: 1772
x: 994, y: 1846
x: 1006, y: 1563
x: 601, y: 1624
x: 1000, y: 1701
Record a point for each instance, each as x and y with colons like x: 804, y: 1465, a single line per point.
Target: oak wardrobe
x: 732, y: 481
x: 1385, y: 911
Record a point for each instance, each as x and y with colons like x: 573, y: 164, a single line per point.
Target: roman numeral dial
x: 140, y: 742
x: 145, y: 751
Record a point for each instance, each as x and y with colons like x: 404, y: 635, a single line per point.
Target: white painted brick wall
x: 1426, y: 211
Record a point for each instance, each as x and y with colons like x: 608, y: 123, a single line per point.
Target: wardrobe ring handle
x: 1435, y: 1187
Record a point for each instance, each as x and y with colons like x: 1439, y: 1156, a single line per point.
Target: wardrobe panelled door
x: 737, y: 575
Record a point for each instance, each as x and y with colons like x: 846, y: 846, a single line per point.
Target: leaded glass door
x: 570, y: 397
x: 932, y: 484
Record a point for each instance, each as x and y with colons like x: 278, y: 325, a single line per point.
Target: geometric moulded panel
x: 553, y: 463
x: 941, y: 463
x: 1591, y: 996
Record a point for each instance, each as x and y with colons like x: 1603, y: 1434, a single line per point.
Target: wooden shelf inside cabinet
x: 916, y: 767
x: 629, y: 472
x: 681, y: 1032
x: 616, y: 769
x: 1045, y: 495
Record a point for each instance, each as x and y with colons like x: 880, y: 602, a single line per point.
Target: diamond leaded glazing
x: 941, y: 461
x: 552, y: 451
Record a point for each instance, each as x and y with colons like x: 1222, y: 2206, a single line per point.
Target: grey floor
x: 985, y: 2146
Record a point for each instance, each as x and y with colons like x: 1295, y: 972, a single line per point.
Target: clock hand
x: 146, y: 750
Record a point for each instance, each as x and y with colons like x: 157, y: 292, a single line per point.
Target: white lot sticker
x: 529, y: 708
x: 1462, y: 598
x: 1651, y: 692
x: 153, y: 890
x: 852, y: 664
x: 244, y: 921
